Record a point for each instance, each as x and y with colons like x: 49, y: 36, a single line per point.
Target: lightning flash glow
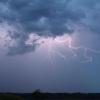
x: 54, y: 44
x: 68, y: 42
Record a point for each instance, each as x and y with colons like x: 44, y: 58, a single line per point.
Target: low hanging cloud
x: 45, y: 18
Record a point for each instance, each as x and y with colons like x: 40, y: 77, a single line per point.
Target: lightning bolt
x: 67, y: 42
x: 73, y: 49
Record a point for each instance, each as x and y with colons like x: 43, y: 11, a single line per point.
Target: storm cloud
x: 46, y: 18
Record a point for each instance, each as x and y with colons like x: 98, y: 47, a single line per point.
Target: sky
x: 51, y: 45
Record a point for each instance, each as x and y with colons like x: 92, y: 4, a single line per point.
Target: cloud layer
x: 46, y: 18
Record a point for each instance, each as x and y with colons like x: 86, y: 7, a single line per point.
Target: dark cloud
x: 47, y: 18
x: 21, y: 49
x: 40, y: 16
x: 91, y: 9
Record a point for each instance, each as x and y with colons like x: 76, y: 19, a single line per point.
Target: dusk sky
x: 51, y: 45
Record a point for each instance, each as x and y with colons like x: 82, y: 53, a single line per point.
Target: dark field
x: 49, y: 96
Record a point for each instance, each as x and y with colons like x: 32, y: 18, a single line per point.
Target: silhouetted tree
x: 37, y: 94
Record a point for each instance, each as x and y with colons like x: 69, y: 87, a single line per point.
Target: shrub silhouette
x: 37, y: 94
x: 9, y: 97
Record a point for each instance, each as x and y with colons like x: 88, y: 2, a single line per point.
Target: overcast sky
x: 51, y: 45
